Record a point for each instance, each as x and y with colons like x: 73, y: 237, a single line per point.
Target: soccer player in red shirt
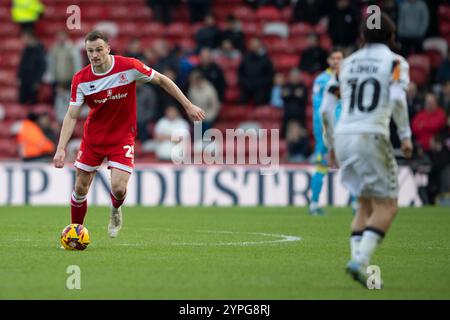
x: 108, y: 87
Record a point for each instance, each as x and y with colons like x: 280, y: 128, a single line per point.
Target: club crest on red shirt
x: 123, y: 78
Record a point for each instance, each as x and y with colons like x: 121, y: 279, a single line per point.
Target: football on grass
x: 75, y: 237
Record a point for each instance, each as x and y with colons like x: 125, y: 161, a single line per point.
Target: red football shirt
x: 111, y: 97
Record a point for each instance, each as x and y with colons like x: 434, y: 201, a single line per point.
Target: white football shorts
x: 367, y: 164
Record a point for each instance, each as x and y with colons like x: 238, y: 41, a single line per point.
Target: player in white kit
x: 372, y: 84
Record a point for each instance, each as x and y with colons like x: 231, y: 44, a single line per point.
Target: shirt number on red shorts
x: 130, y: 151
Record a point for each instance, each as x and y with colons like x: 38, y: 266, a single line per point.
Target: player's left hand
x: 58, y: 159
x: 332, y: 160
x: 407, y: 148
x: 195, y: 113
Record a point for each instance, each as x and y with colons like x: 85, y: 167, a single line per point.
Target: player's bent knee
x: 81, y: 189
x: 119, y: 191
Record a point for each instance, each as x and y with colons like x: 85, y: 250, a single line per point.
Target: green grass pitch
x: 219, y: 253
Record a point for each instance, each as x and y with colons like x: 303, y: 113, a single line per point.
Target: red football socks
x: 115, y: 202
x: 78, y: 208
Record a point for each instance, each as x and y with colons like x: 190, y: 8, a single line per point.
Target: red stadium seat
x: 178, y: 30
x: 418, y: 75
x: 15, y: 111
x: 58, y: 12
x: 228, y: 63
x: 129, y: 29
x: 326, y: 42
x: 307, y: 79
x: 232, y: 95
x: 278, y: 45
x: 8, y: 61
x: 444, y: 27
x: 231, y: 113
x: 5, y: 13
x: 42, y: 108
x: 153, y: 29
x: 285, y: 62
x: 10, y: 29
x: 223, y: 125
x: 444, y: 12
x: 8, y: 77
x: 251, y: 29
x: 286, y: 14
x: 419, y: 61
x: 267, y: 113
x: 5, y: 128
x: 9, y: 94
x: 298, y: 43
x: 8, y: 148
x: 435, y: 58
x: 231, y: 78
x: 244, y: 13
x: 12, y: 44
x: 268, y: 13
x: 301, y: 29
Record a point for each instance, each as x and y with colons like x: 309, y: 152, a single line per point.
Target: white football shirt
x: 365, y: 80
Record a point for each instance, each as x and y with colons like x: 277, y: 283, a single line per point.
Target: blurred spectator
x: 31, y: 69
x: 256, y: 74
x: 185, y: 65
x: 164, y: 129
x: 314, y: 58
x: 433, y: 10
x: 147, y: 109
x: 233, y: 32
x: 444, y: 98
x: 163, y: 9
x: 390, y: 7
x: 299, y: 147
x: 439, y: 176
x: 198, y: 9
x: 343, y: 25
x: 209, y: 35
x: 415, y: 102
x: 413, y: 19
x: 27, y: 13
x: 414, y: 99
x: 227, y: 51
x: 443, y: 73
x: 213, y: 72
x: 164, y: 57
x: 65, y: 61
x: 45, y: 123
x: 33, y: 144
x: 276, y: 99
x: 134, y: 50
x: 165, y: 99
x: 309, y: 11
x: 255, y: 4
x: 295, y: 99
x: 428, y: 122
x: 204, y: 95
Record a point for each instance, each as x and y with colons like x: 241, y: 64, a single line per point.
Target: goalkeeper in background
x: 320, y: 153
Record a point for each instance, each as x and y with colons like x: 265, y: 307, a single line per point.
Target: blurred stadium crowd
x: 249, y: 63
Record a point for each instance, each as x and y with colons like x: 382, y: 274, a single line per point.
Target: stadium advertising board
x: 187, y: 185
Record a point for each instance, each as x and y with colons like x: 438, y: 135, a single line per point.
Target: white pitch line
x: 283, y: 238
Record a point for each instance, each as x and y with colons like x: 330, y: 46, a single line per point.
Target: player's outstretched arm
x: 194, y: 112
x: 67, y: 128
